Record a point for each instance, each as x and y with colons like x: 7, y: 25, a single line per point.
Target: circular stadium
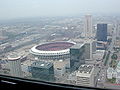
x: 52, y: 50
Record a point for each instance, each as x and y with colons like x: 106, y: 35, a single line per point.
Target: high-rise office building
x: 101, y: 32
x: 88, y: 26
x: 42, y: 70
x: 90, y: 48
x: 117, y: 28
x: 14, y: 63
x: 77, y: 56
x: 110, y: 28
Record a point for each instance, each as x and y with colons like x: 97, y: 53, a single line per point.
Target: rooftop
x: 89, y: 40
x: 13, y: 57
x: 42, y: 64
x: 85, y: 70
x: 118, y: 67
x: 110, y: 70
x: 27, y: 62
x: 98, y: 54
x: 77, y: 46
x: 59, y: 64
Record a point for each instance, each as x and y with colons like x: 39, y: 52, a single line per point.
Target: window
x: 40, y: 30
x: 58, y: 68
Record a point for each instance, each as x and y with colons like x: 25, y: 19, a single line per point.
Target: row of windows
x: 54, y: 53
x: 83, y: 78
x: 53, y: 57
x: 83, y: 83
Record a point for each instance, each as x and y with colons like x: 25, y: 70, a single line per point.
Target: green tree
x: 113, y: 80
x: 114, y: 56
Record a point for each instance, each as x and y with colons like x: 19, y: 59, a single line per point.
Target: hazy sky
x: 32, y: 8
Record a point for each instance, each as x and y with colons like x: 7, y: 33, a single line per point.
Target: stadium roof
x: 54, y: 46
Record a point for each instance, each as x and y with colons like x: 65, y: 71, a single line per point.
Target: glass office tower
x: 77, y: 56
x: 101, y: 32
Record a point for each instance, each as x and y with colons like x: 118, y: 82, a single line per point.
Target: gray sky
x: 32, y: 8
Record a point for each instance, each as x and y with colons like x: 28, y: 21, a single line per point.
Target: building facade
x: 85, y: 75
x: 88, y: 26
x: 59, y: 68
x: 101, y: 32
x: 77, y: 56
x: 42, y: 70
x: 14, y: 64
x: 118, y: 29
x: 110, y: 73
x: 90, y: 48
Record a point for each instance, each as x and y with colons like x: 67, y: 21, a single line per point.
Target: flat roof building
x: 118, y: 67
x: 42, y: 70
x: 59, y: 68
x: 90, y: 48
x: 14, y: 63
x: 85, y: 75
x: 98, y: 55
x: 77, y: 53
x: 101, y: 32
x: 25, y: 65
x: 88, y: 26
x: 110, y: 72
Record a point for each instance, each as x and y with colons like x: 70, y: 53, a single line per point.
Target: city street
x: 103, y: 69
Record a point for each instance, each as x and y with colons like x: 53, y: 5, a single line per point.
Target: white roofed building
x: 85, y: 75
